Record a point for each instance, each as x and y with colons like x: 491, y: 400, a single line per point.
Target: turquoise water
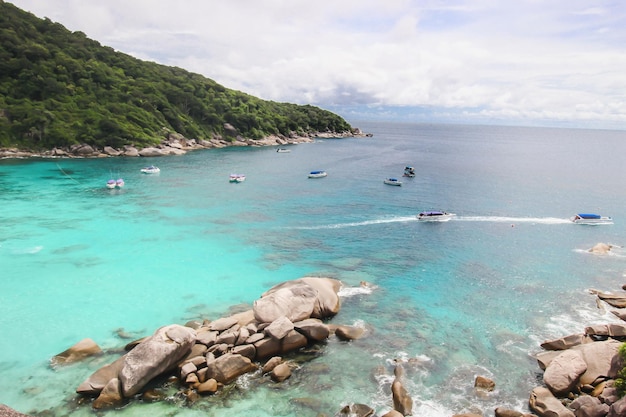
x: 473, y: 296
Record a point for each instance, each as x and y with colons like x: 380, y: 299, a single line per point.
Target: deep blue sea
x: 472, y: 296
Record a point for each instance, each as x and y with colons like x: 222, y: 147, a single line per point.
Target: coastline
x: 175, y: 144
x: 501, y: 238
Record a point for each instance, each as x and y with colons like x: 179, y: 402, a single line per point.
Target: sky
x: 516, y: 62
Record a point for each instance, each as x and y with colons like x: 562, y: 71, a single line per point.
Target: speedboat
x: 150, y: 170
x: 119, y: 183
x: 435, y: 216
x: 589, y: 218
x: 317, y: 174
x: 237, y: 178
x: 392, y: 181
x: 111, y: 184
x: 282, y: 150
x: 409, y: 172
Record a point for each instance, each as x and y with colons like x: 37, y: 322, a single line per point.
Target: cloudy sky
x: 527, y: 62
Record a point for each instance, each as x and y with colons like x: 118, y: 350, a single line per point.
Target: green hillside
x: 59, y: 88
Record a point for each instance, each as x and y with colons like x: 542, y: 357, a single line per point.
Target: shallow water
x: 472, y: 296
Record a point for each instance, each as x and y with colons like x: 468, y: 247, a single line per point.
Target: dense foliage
x: 59, y: 88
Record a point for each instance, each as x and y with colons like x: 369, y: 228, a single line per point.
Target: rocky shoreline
x: 176, y: 144
x: 202, y: 358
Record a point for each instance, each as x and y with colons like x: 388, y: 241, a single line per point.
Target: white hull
x: 392, y: 182
x: 436, y: 218
x: 317, y: 175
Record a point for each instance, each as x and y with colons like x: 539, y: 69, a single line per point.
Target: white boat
x: 119, y: 183
x: 435, y: 216
x: 392, y: 181
x: 317, y: 174
x: 150, y: 170
x: 237, y: 178
x: 111, y: 184
x: 282, y: 150
x: 409, y: 172
x: 590, y: 218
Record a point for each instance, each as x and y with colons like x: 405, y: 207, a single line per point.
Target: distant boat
x: 150, y: 170
x: 317, y: 174
x: 111, y: 184
x: 237, y: 178
x: 435, y: 216
x: 119, y: 183
x: 589, y: 218
x: 409, y: 172
x: 392, y: 181
x: 282, y: 150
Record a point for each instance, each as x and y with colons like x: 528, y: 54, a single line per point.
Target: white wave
x: 352, y: 291
x: 28, y: 251
x: 502, y: 219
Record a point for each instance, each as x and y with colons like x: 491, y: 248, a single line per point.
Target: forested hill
x: 59, y: 88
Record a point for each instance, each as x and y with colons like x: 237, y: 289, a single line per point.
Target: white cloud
x: 524, y: 60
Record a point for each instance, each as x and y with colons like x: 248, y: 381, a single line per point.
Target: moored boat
x: 392, y: 181
x: 111, y: 184
x: 237, y: 178
x: 150, y: 170
x: 282, y: 150
x: 409, y: 172
x: 591, y: 218
x: 119, y: 183
x: 435, y: 216
x: 317, y: 174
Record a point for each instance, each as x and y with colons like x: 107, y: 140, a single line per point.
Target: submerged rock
x: 79, y: 351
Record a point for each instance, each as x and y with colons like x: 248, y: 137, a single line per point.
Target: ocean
x: 454, y: 300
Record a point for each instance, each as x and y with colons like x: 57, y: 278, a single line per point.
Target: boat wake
x: 362, y: 223
x: 401, y: 219
x: 500, y: 219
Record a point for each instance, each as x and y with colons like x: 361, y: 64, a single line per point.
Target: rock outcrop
x: 204, y: 356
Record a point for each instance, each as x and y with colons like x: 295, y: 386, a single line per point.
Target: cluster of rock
x: 177, y: 144
x: 206, y: 356
x: 579, y: 372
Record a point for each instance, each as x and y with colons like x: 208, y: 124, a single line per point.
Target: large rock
x: 6, y: 411
x: 110, y: 397
x: 601, y: 248
x: 402, y: 401
x: 588, y: 406
x: 79, y: 351
x: 615, y: 300
x: 279, y: 328
x: 563, y: 373
x: 152, y: 152
x: 293, y: 341
x: 545, y: 404
x: 159, y: 353
x: 618, y: 409
x: 296, y: 302
x: 229, y: 367
x: 280, y: 372
x: 299, y: 299
x: 99, y: 379
x: 347, y: 333
x: 328, y: 301
x: 597, y: 356
x: 313, y: 329
x: 564, y: 342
